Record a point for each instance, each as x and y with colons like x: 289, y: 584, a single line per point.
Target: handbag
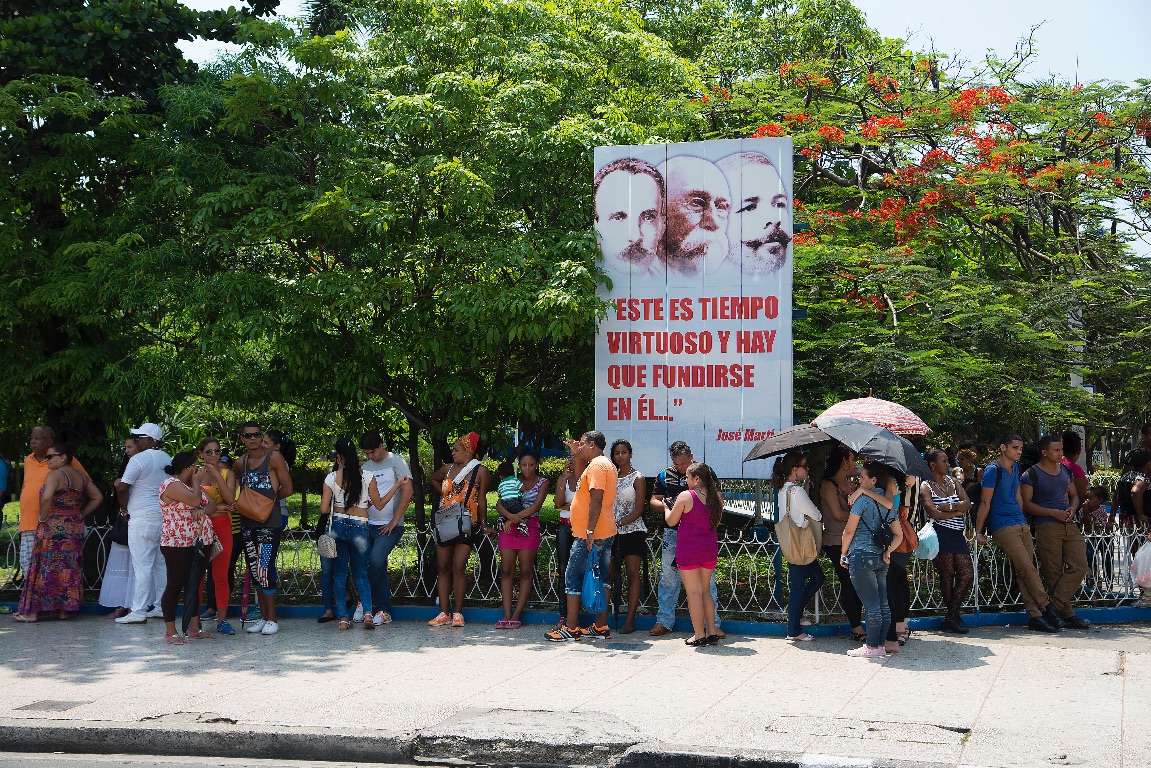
x: 910, y: 538
x: 119, y: 532
x: 250, y: 504
x: 326, y: 545
x: 799, y: 546
x: 592, y: 595
x: 928, y: 542
x: 453, y: 524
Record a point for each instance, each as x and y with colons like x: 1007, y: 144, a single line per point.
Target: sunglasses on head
x: 251, y: 435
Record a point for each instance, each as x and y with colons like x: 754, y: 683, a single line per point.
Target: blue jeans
x: 381, y: 547
x: 803, y: 581
x: 869, y: 577
x: 670, y: 583
x: 351, y: 546
x: 577, y: 564
x: 327, y: 581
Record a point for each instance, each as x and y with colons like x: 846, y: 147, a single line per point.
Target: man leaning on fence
x: 1001, y: 510
x: 669, y: 484
x: 1049, y: 495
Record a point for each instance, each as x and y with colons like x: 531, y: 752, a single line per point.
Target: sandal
x: 696, y: 642
x: 504, y: 624
x: 904, y: 636
x: 174, y: 640
x: 514, y: 623
x: 199, y: 634
x: 369, y: 624
x: 345, y: 625
x: 858, y: 637
x: 22, y: 619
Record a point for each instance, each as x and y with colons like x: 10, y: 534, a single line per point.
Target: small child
x: 1095, y: 515
x: 510, y: 495
x: 1097, y: 520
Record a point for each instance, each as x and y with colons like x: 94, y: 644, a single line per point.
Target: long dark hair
x: 783, y: 467
x: 714, y: 505
x: 838, y: 454
x: 287, y: 447
x: 353, y: 481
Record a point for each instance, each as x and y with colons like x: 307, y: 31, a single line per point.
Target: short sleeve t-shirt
x: 601, y: 474
x: 509, y: 488
x: 388, y: 471
x: 872, y: 518
x: 145, y: 473
x: 1076, y: 471
x: 670, y: 483
x: 1004, y: 509
x: 1050, y: 490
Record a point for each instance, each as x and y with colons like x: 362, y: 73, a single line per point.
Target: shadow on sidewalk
x: 935, y: 655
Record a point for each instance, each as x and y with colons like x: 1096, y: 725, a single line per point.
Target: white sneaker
x: 133, y: 618
x: 868, y: 653
x: 382, y: 617
x: 155, y: 613
x: 358, y: 616
x: 256, y: 628
x: 270, y: 628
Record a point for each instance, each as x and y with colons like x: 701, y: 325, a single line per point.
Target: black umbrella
x: 799, y: 436
x: 877, y: 443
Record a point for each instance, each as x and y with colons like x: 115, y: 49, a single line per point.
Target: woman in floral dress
x: 54, y: 581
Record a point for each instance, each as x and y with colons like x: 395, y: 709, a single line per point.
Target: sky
x: 1078, y: 41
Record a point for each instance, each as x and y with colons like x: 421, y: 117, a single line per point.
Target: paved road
x: 987, y: 699
x: 52, y: 760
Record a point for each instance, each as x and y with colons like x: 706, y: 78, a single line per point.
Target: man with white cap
x: 142, y: 480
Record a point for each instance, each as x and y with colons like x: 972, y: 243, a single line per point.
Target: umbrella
x: 881, y: 413
x: 799, y: 436
x: 876, y: 443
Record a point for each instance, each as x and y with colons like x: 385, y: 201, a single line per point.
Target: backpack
x: 883, y: 537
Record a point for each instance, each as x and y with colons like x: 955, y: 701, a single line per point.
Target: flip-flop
x: 514, y: 624
x: 22, y: 619
x: 504, y: 624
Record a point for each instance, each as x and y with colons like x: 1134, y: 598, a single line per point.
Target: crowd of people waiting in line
x: 189, y: 517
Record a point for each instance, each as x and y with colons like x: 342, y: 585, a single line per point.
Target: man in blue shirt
x: 1001, y: 510
x: 1049, y: 496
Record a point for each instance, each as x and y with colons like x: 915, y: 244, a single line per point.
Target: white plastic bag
x: 928, y: 542
x: 1141, y: 567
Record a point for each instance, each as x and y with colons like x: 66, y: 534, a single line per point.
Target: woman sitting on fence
x: 520, y: 537
x: 697, y: 512
x: 947, y: 504
x: 464, y: 481
x: 54, y: 581
x: 869, y: 546
x: 347, y: 491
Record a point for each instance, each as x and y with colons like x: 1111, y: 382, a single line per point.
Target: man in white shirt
x: 385, y: 526
x: 142, y: 478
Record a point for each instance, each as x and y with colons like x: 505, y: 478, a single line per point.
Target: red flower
x: 1103, y: 119
x: 771, y: 129
x: 831, y: 134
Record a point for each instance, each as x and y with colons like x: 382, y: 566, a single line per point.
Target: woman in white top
x: 790, y: 478
x: 347, y: 492
x: 631, y: 533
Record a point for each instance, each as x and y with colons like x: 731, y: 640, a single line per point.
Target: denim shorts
x: 577, y: 563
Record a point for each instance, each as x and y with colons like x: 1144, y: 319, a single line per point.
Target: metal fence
x: 751, y: 573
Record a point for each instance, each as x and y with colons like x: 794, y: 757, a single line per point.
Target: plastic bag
x: 592, y: 596
x: 1141, y: 567
x: 928, y: 546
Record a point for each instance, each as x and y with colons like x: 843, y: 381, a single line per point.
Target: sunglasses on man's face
x: 252, y: 435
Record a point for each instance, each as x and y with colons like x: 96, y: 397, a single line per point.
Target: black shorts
x: 634, y: 543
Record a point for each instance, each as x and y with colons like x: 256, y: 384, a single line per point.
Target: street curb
x: 677, y: 756
x: 208, y: 740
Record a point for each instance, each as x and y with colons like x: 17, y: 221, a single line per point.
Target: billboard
x: 696, y: 239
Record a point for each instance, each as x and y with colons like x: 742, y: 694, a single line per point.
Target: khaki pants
x: 1015, y: 541
x: 1063, y: 559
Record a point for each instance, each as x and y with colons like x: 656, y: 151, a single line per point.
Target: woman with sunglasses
x: 223, y: 565
x: 789, y: 476
x: 54, y: 581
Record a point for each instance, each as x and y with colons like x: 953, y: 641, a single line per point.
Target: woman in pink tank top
x: 697, y: 511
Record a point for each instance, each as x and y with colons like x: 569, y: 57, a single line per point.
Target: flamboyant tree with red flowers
x: 972, y: 236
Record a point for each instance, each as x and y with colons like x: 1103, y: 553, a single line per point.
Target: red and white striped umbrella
x: 881, y: 413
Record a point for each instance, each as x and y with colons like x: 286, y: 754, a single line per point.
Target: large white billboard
x: 696, y: 239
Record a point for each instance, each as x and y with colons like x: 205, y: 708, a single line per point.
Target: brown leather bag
x: 252, y: 505
x: 910, y: 536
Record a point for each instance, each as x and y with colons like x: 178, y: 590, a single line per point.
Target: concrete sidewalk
x: 997, y: 697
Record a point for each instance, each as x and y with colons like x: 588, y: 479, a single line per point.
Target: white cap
x: 148, y: 429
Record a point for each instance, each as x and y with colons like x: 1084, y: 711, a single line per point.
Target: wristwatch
x: 590, y: 532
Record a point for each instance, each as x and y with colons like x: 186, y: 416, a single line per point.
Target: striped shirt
x: 957, y: 523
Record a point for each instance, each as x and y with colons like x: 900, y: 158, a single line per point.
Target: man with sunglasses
x: 265, y: 472
x: 141, y: 480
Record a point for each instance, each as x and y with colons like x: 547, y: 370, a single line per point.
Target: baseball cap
x: 148, y: 429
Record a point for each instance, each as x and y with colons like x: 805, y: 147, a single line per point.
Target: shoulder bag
x: 799, y: 546
x: 910, y: 538
x: 453, y: 523
x: 326, y: 545
x: 252, y: 505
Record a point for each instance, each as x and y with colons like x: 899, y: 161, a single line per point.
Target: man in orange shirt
x: 35, y: 473
x: 593, y: 524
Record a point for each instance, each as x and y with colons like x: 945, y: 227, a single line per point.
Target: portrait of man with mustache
x: 629, y: 218
x: 760, y: 221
